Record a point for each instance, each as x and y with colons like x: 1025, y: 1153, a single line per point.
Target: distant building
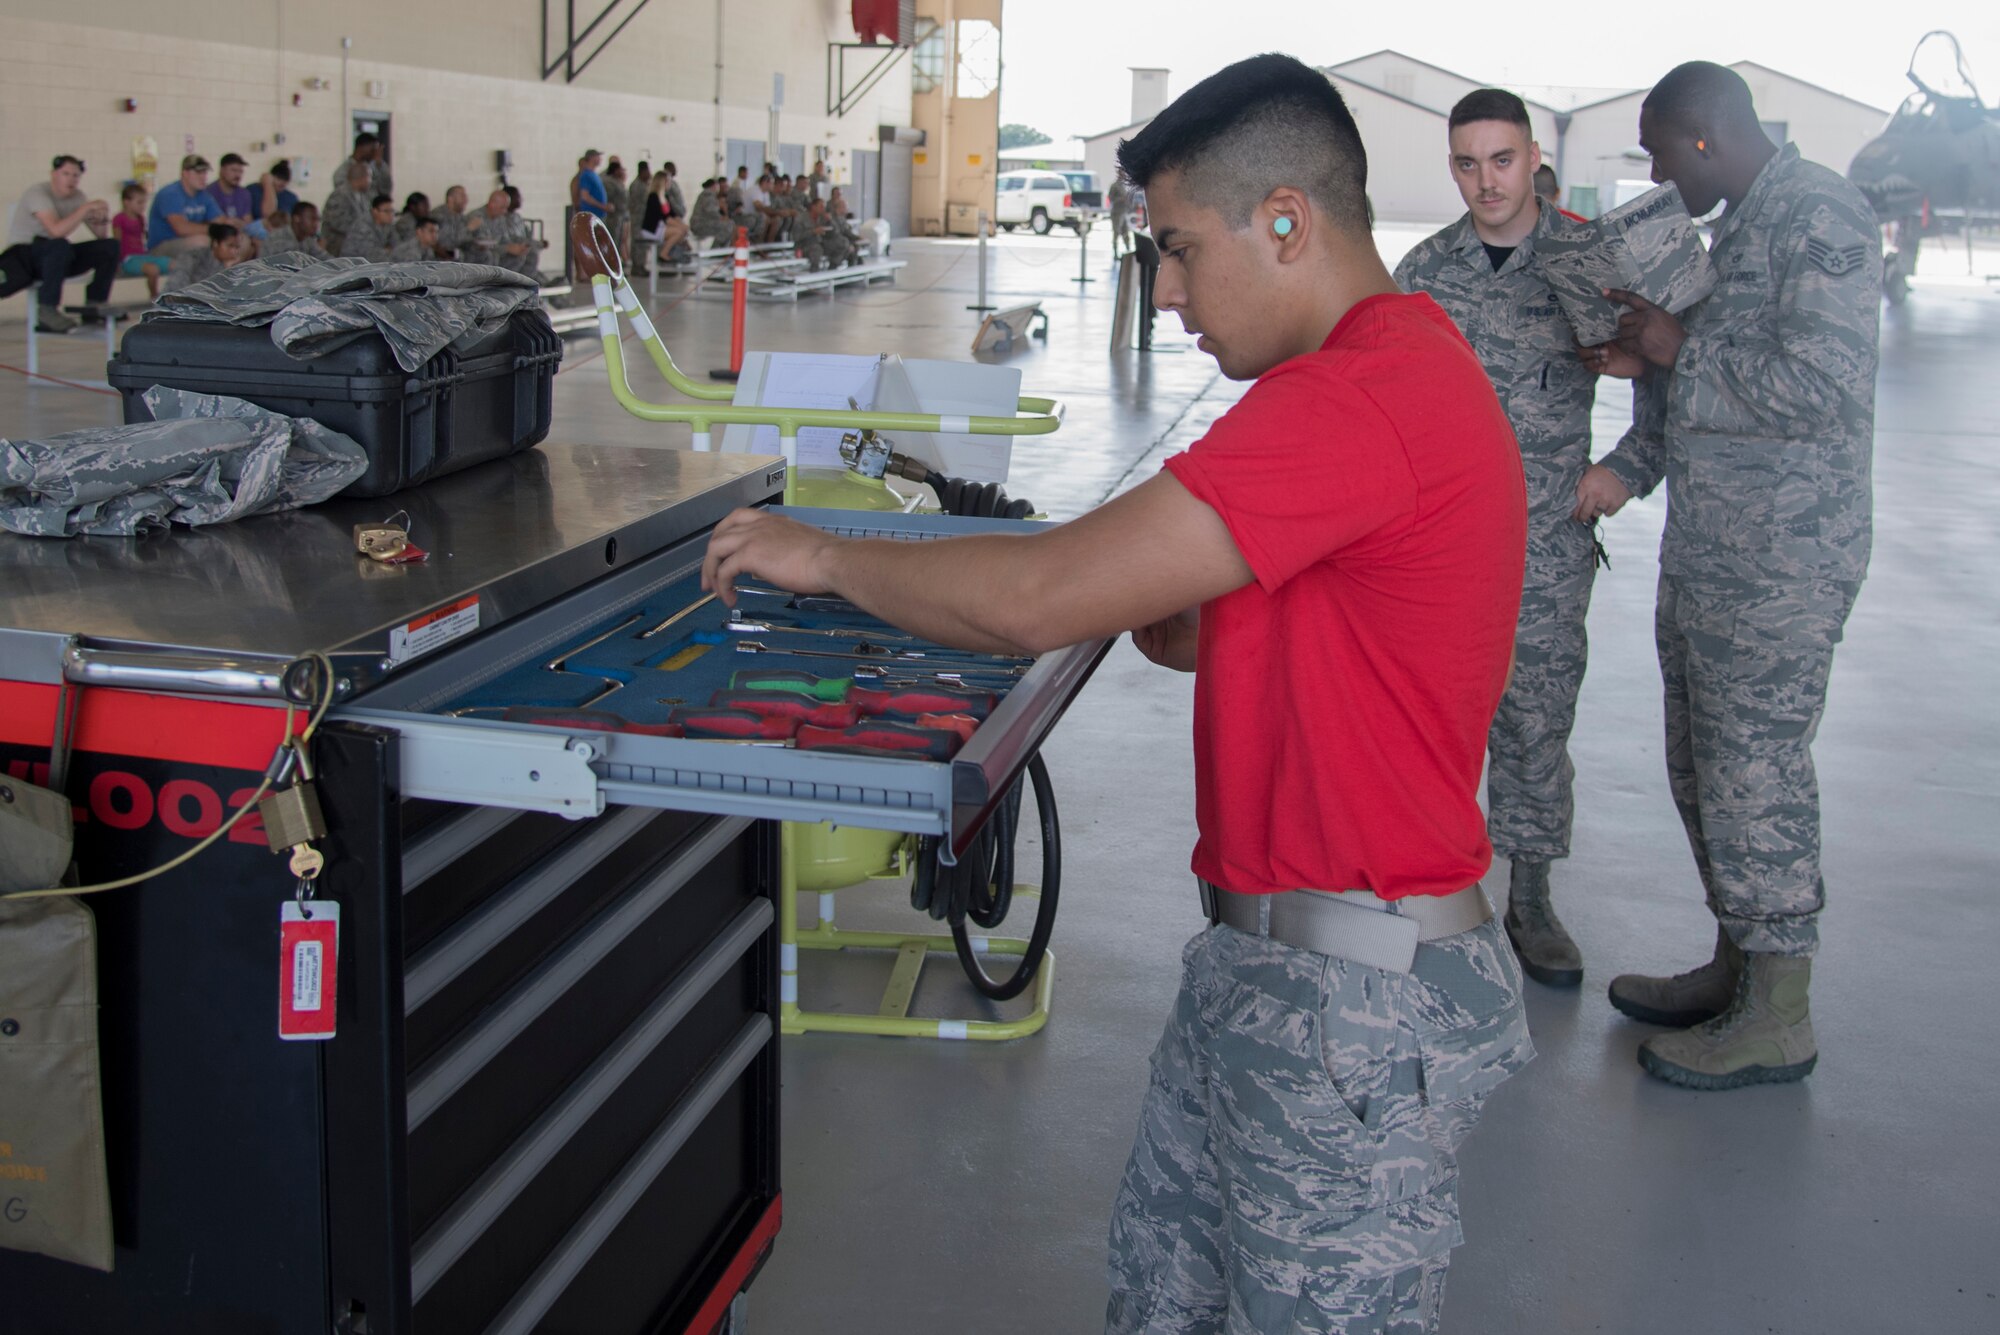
x: 1062, y: 155
x: 1589, y: 135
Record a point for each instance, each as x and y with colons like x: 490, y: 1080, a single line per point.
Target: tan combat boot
x: 1547, y: 953
x: 1686, y: 999
x: 1764, y: 1038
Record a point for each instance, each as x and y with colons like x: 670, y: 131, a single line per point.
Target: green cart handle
x: 596, y: 257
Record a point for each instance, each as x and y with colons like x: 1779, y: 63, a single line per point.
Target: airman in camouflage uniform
x: 1514, y: 323
x: 708, y: 222
x: 820, y: 242
x: 454, y: 223
x: 301, y: 234
x: 1758, y: 410
x: 1296, y: 1166
x: 372, y: 237
x: 346, y: 206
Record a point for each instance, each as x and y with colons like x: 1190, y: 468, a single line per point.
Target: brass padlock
x: 292, y: 816
x: 380, y: 541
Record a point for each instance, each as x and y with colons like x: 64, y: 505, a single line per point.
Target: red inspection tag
x: 308, y: 955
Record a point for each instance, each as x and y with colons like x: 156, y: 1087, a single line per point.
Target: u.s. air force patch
x: 1838, y: 261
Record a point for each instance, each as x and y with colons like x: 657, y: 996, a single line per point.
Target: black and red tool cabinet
x: 552, y: 1101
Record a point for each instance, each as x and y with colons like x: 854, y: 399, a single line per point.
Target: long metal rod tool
x: 690, y: 609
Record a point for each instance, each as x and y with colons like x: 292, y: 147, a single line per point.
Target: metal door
x: 864, y: 196
x: 792, y: 159
x: 745, y: 153
x: 896, y: 169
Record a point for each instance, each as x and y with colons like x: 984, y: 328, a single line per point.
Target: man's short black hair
x: 220, y: 232
x: 1242, y: 132
x: 380, y: 200
x: 422, y: 223
x: 282, y: 169
x: 232, y: 160
x: 1489, y: 104
x: 364, y: 139
x: 1702, y: 93
x: 1545, y: 181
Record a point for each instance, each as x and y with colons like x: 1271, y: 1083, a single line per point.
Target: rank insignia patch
x: 1836, y: 260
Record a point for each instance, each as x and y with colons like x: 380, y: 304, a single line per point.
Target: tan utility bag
x: 55, y: 1194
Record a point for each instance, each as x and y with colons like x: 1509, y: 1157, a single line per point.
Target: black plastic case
x: 457, y: 410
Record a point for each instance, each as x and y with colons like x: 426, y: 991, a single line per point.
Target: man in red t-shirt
x: 1339, y: 561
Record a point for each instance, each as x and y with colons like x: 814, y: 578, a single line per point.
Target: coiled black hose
x: 961, y: 496
x: 981, y: 886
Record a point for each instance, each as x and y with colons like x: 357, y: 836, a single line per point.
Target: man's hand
x: 1171, y: 642
x: 765, y: 546
x: 1612, y: 360
x: 1599, y: 495
x: 1646, y: 329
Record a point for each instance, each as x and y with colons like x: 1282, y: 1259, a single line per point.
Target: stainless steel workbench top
x: 515, y: 533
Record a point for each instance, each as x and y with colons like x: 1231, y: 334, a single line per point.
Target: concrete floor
x: 937, y: 1187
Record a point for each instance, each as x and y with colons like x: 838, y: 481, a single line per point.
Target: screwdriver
x: 732, y: 723
x: 831, y: 689
x: 784, y: 704
x: 915, y: 700
x: 900, y: 738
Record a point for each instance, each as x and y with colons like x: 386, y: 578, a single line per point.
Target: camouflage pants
x: 1745, y: 668
x: 1296, y: 1168
x: 1530, y: 779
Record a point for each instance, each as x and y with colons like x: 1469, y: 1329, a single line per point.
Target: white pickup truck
x: 1040, y: 199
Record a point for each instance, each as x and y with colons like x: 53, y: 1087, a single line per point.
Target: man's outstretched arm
x: 1137, y: 560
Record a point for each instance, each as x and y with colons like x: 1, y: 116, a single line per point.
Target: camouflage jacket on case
x: 1764, y: 429
x: 1527, y: 346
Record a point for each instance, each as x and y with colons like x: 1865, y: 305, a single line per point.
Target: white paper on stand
x: 962, y: 389
x: 802, y: 380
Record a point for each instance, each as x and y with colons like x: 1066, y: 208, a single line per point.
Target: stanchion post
x: 739, y: 305
x: 981, y: 226
x: 1083, y: 254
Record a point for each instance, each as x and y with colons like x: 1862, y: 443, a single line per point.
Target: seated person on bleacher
x: 819, y: 241
x: 455, y: 224
x: 130, y: 225
x: 297, y: 230
x: 49, y: 214
x: 710, y: 221
x: 347, y: 205
x: 236, y: 203
x: 415, y: 209
x: 177, y: 224
x: 277, y: 187
x: 225, y: 250
x: 661, y: 226
x: 375, y: 235
x: 521, y: 234
x: 421, y: 243
x: 503, y: 238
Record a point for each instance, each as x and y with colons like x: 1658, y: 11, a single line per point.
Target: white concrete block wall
x: 460, y: 83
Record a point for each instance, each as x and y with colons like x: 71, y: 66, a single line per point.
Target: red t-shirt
x: 1342, y: 700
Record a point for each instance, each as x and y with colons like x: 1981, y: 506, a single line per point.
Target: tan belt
x: 1352, y: 925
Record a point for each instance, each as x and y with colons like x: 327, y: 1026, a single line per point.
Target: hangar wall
x: 461, y: 78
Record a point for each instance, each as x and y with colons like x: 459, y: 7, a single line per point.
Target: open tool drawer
x: 457, y: 745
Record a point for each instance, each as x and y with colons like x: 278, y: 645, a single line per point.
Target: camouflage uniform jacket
x: 191, y: 269
x: 677, y: 199
x: 378, y: 175
x: 707, y: 221
x: 452, y: 230
x: 1764, y: 429
x: 411, y: 251
x: 368, y: 240
x: 1525, y: 343
x: 286, y: 243
x: 344, y: 208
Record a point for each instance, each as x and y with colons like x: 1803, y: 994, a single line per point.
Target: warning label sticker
x: 434, y: 629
